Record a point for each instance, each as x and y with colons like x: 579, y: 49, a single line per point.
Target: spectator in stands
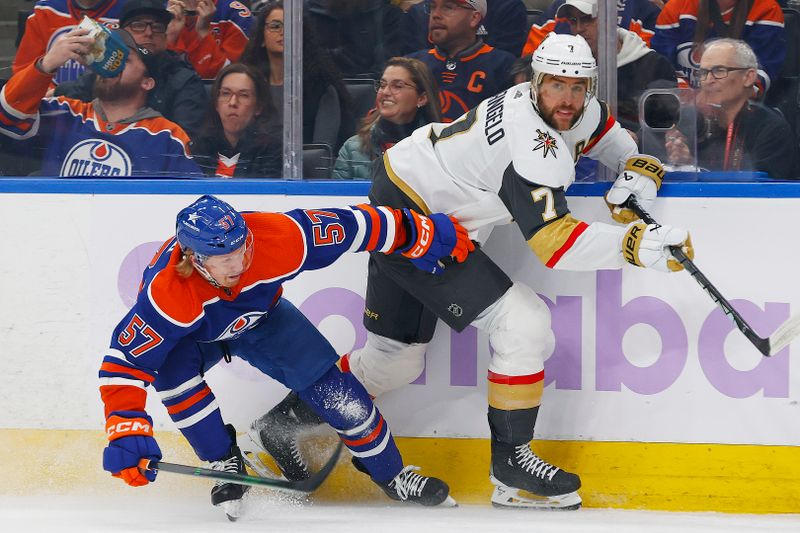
x: 235, y: 141
x: 179, y: 94
x: 212, y: 33
x: 684, y: 25
x: 406, y: 100
x: 115, y: 135
x: 265, y: 51
x: 360, y: 34
x: 466, y: 69
x: 638, y: 67
x: 51, y: 20
x: 735, y: 133
x: 504, y: 26
x: 637, y: 16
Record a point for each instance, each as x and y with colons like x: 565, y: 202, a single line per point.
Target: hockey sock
x: 343, y: 403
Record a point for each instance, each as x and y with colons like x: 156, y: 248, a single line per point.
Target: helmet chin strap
x: 205, y: 273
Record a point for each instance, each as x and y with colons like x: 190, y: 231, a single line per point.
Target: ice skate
x: 408, y: 486
x: 226, y: 495
x: 277, y: 434
x: 523, y: 480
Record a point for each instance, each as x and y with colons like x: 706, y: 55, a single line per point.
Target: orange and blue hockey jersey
x: 763, y: 31
x: 172, y: 314
x: 468, y: 78
x: 225, y: 42
x: 75, y: 139
x: 50, y: 20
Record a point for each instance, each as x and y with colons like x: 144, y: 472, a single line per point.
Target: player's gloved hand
x: 432, y: 238
x: 130, y: 436
x: 647, y: 245
x: 641, y: 177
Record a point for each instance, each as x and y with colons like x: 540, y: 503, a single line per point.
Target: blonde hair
x: 184, y: 266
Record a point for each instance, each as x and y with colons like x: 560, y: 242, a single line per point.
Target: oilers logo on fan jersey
x: 95, y: 157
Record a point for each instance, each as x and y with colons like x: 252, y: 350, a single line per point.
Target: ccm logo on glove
x: 423, y: 242
x: 117, y: 427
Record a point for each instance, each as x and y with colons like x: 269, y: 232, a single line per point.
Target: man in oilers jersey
x: 509, y: 159
x: 116, y: 135
x: 214, y: 291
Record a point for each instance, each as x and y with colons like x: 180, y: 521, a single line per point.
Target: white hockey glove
x: 641, y: 177
x: 647, y: 246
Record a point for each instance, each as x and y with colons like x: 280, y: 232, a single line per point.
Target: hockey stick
x: 785, y: 334
x: 304, y: 486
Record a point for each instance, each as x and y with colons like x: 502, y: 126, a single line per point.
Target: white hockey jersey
x: 501, y: 162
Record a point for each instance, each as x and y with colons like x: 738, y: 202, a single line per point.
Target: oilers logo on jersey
x: 240, y: 325
x: 96, y: 157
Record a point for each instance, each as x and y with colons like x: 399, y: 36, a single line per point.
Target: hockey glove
x: 647, y: 245
x: 641, y: 177
x: 130, y: 436
x: 431, y: 238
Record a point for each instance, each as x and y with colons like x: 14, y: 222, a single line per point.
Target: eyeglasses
x: 394, y: 86
x: 139, y: 26
x: 243, y: 97
x: 718, y: 72
x: 275, y: 26
x: 573, y: 21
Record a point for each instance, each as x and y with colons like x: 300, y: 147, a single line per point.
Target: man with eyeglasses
x: 467, y: 69
x: 637, y: 16
x: 50, y: 21
x: 179, y: 93
x: 734, y: 133
x: 638, y: 66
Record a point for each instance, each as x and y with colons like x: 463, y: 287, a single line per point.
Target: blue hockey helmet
x: 210, y: 227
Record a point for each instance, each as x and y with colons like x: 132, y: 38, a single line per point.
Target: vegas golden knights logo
x: 545, y: 142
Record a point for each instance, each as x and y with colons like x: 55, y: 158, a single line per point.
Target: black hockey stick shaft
x: 304, y: 486
x: 763, y: 345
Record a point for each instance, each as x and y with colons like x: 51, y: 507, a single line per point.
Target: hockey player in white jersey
x: 509, y: 159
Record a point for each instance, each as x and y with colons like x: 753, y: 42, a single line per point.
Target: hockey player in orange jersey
x: 214, y: 291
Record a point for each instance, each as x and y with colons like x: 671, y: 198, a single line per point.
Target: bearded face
x: 561, y: 101
x: 115, y: 89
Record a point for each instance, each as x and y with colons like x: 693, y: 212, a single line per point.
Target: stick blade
x: 786, y: 333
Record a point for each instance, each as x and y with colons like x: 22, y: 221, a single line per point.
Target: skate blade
x: 448, y: 502
x: 510, y: 498
x: 258, y: 459
x: 234, y: 509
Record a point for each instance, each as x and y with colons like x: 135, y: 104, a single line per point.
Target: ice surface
x: 139, y: 511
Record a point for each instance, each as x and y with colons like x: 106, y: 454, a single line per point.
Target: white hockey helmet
x: 567, y: 56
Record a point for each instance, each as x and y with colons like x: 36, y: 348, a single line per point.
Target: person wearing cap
x: 638, y: 16
x: 179, y: 94
x: 114, y: 135
x: 638, y: 67
x: 504, y: 26
x: 466, y: 69
x: 210, y: 33
x: 51, y: 20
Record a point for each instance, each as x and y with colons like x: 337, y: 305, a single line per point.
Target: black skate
x: 523, y: 479
x: 277, y: 433
x: 229, y: 495
x: 408, y: 486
